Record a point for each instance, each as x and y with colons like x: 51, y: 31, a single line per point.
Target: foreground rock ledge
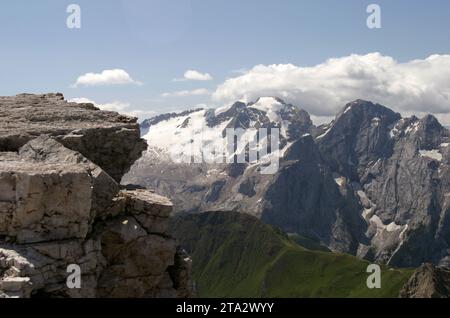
x: 110, y: 140
x: 61, y: 207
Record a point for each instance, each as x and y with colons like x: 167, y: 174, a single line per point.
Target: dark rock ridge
x: 60, y: 208
x: 369, y: 183
x: 357, y: 137
x: 303, y: 197
x: 399, y: 167
x: 428, y: 281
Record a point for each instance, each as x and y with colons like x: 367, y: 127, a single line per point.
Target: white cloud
x: 81, y: 100
x: 319, y: 120
x: 184, y: 93
x: 107, y: 77
x: 193, y: 75
x: 117, y: 106
x: 416, y: 86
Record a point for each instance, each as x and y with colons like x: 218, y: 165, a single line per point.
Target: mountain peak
x: 268, y: 99
x: 358, y: 118
x: 430, y: 120
x: 368, y: 107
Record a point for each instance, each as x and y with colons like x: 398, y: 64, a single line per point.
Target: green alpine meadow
x: 236, y: 255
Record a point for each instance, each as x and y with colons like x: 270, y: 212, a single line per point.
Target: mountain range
x: 369, y: 187
x: 370, y: 183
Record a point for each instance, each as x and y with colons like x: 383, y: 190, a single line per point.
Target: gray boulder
x: 59, y: 208
x: 110, y: 140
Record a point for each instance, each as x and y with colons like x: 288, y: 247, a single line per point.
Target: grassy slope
x: 235, y: 255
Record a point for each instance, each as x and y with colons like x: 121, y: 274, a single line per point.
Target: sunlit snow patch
x: 432, y: 154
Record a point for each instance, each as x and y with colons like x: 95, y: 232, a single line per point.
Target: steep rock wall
x: 61, y: 206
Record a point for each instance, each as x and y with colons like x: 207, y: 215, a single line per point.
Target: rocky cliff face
x: 428, y: 281
x: 61, y: 205
x: 399, y: 168
x: 108, y: 139
x: 304, y: 197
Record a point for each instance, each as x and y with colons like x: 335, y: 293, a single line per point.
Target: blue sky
x: 155, y: 41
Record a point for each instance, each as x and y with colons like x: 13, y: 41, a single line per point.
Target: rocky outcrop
x: 428, y: 281
x: 61, y: 210
x: 108, y: 139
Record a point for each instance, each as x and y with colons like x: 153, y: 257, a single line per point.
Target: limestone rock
x: 110, y: 140
x: 151, y: 210
x: 61, y: 206
x: 44, y: 201
x: 51, y: 192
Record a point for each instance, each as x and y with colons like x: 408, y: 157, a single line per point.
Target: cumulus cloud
x: 184, y: 93
x: 416, y: 86
x: 117, y: 106
x: 107, y: 77
x: 193, y: 75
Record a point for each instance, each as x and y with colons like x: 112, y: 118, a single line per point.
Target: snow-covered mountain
x: 188, y: 133
x: 202, y: 185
